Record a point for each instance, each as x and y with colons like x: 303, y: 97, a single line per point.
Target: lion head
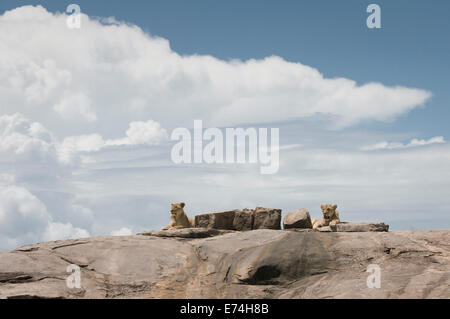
x: 329, y: 212
x: 177, y: 210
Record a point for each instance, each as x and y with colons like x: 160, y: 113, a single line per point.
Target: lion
x: 330, y: 217
x: 178, y: 218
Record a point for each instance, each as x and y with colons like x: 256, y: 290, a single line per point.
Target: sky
x: 86, y: 114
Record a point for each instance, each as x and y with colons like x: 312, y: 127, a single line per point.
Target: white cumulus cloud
x: 60, y: 231
x: 75, y: 105
x: 138, y: 133
x: 24, y: 219
x: 395, y: 145
x: 109, y: 75
x: 124, y: 231
x: 149, y: 133
x: 23, y: 139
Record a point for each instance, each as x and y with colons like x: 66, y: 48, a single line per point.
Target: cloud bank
x: 85, y: 115
x: 105, y: 75
x: 25, y: 219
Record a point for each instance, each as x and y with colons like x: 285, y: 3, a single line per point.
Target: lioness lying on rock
x: 330, y: 217
x: 178, y: 218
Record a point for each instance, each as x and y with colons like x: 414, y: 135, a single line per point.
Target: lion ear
x: 322, y: 206
x: 182, y: 205
x: 334, y: 206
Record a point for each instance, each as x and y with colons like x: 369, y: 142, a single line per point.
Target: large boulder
x: 297, y: 219
x: 267, y: 218
x: 243, y: 219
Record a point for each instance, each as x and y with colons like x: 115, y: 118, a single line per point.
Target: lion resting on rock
x: 330, y: 217
x: 178, y: 218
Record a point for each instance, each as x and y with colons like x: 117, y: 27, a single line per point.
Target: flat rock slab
x: 186, y: 233
x: 355, y: 227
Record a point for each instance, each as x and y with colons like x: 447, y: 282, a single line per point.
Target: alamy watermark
x: 74, y: 19
x: 74, y: 279
x: 239, y: 146
x: 374, y: 279
x: 374, y: 19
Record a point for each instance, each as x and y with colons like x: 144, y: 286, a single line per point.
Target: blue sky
x: 86, y: 114
x: 411, y: 49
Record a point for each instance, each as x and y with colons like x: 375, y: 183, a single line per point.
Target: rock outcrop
x: 297, y: 219
x: 209, y: 263
x: 241, y: 219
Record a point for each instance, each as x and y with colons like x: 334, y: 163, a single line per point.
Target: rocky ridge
x: 212, y: 263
